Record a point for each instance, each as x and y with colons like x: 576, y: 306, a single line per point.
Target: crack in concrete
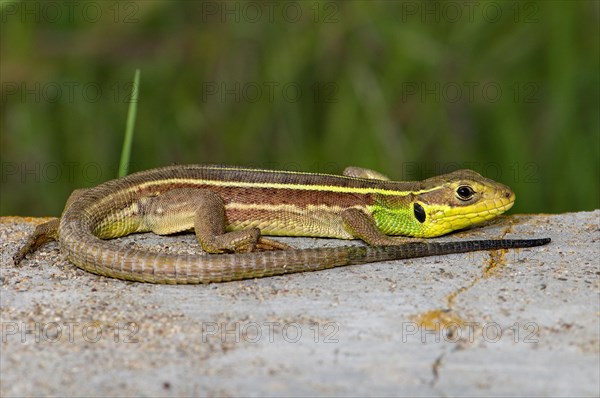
x: 435, y: 369
x: 443, y: 318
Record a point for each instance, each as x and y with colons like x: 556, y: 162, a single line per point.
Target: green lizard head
x: 444, y: 204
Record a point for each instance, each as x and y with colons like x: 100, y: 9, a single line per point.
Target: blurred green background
x: 411, y: 89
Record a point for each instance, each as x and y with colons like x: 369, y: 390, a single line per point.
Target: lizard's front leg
x: 362, y: 226
x: 361, y: 172
x: 203, y: 210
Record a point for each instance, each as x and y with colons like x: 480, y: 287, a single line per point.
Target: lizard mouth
x: 448, y: 220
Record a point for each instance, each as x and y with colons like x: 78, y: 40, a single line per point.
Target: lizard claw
x: 270, y: 244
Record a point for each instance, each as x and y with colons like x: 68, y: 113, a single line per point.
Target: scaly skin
x: 229, y: 208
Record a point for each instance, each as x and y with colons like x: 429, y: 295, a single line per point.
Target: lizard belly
x: 288, y: 220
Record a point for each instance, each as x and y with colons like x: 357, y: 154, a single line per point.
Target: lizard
x: 231, y: 209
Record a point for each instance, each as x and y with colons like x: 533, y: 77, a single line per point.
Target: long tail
x: 105, y: 258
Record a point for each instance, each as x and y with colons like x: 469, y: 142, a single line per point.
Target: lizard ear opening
x: 419, y: 212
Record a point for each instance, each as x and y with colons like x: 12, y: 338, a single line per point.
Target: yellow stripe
x: 289, y: 207
x: 242, y: 184
x: 301, y: 187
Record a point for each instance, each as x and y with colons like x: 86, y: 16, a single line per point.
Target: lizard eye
x: 465, y: 192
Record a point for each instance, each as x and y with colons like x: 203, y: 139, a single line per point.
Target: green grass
x: 128, y: 138
x: 380, y: 85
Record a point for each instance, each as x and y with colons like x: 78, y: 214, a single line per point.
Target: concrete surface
x: 516, y: 323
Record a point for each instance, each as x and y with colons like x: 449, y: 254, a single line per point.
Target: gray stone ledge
x: 519, y: 323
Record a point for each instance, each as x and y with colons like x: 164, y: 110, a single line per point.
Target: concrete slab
x: 508, y: 323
